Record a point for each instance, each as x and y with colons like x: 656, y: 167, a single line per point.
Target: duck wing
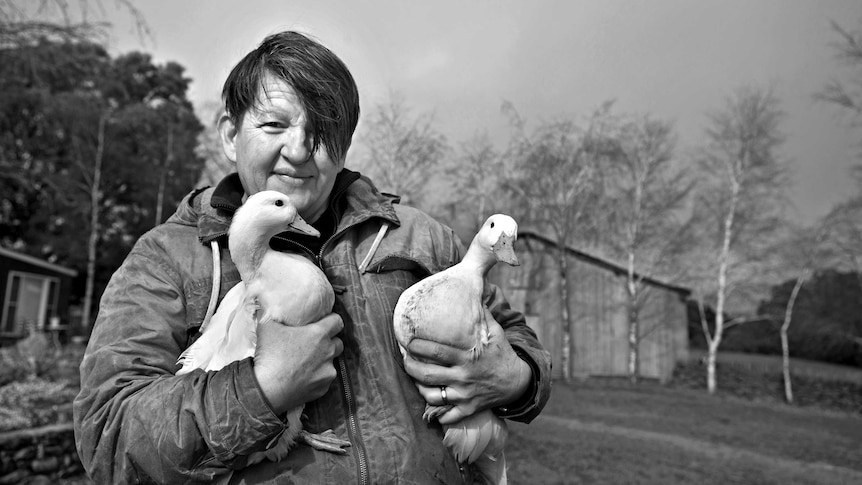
x: 445, y: 308
x: 200, y: 354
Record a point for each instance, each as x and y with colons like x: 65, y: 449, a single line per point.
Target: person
x: 291, y: 107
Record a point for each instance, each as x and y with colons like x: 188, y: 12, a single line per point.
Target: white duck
x: 277, y: 287
x: 447, y: 308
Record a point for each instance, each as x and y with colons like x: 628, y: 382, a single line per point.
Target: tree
x: 216, y: 164
x: 801, y: 254
x: 845, y: 219
x: 79, y: 126
x: 739, y: 204
x: 402, y: 152
x: 26, y: 22
x: 555, y: 181
x: 646, y: 197
x: 472, y: 188
x: 846, y: 93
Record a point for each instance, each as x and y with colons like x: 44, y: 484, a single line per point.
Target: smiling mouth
x: 286, y: 176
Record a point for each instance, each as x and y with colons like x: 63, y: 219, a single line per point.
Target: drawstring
x: 216, y: 284
x: 382, y: 232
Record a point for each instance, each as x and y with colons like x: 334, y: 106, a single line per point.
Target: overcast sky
x: 675, y: 59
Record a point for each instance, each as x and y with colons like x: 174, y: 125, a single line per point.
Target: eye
x: 492, y: 224
x: 279, y: 202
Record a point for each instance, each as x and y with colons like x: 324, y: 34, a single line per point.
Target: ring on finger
x: 443, y: 395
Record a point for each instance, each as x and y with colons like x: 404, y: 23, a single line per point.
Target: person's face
x: 271, y: 148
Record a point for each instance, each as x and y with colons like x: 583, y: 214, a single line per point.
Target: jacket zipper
x: 347, y: 392
x: 346, y: 389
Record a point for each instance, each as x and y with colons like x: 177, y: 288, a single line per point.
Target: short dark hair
x: 320, y: 79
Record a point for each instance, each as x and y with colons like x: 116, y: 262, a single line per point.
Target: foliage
x: 846, y: 91
x: 741, y: 197
x: 35, y: 356
x: 556, y: 175
x: 401, y: 152
x: 475, y: 176
x: 38, y: 380
x: 34, y: 402
x: 53, y: 97
x: 827, y: 321
x: 752, y: 383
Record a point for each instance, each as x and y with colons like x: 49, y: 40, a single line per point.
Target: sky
x: 460, y: 60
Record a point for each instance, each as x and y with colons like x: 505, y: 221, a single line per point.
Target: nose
x: 296, y: 145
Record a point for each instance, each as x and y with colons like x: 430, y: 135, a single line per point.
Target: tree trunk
x: 93, y: 239
x: 564, y: 310
x: 634, y: 323
x: 785, y: 347
x: 169, y: 158
x: 710, y: 366
x: 724, y: 258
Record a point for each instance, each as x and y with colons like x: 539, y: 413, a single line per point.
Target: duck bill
x: 504, y: 249
x: 301, y: 227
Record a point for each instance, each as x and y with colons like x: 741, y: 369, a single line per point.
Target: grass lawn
x: 615, y: 433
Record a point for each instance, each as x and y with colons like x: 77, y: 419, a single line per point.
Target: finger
x: 435, y: 352
x: 452, y: 416
x: 434, y: 394
x: 339, y: 346
x: 333, y: 324
x: 425, y: 373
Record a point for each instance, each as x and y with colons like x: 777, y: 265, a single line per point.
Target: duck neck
x: 247, y: 246
x: 479, y: 258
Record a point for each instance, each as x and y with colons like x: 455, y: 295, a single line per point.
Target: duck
x: 425, y: 310
x: 276, y: 288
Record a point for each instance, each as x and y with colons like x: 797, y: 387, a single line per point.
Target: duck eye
x: 492, y: 224
x: 279, y: 202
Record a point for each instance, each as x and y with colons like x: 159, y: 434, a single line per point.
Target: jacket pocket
x: 386, y: 280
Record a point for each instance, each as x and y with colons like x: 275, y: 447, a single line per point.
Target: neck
x: 247, y: 247
x: 480, y: 258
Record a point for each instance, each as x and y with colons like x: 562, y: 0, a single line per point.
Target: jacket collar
x: 354, y: 199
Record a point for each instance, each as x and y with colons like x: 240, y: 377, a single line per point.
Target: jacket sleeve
x: 528, y: 348
x: 523, y: 339
x: 135, y: 421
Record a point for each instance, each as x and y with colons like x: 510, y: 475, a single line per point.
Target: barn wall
x: 599, y: 312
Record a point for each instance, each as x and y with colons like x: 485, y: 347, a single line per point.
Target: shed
x: 35, y: 294
x: 598, y: 308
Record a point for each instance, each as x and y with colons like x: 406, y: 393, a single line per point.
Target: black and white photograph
x: 390, y: 242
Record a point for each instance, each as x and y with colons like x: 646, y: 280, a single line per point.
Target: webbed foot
x: 325, y: 441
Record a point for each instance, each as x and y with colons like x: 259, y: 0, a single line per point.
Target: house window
x: 31, y: 300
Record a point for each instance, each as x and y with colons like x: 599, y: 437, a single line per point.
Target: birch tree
x: 644, y: 226
x: 401, y: 152
x: 556, y: 182
x: 739, y: 205
x: 803, y: 252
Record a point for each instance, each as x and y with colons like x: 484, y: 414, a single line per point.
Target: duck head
x: 498, y: 234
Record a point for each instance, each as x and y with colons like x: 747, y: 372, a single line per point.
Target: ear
x: 228, y: 130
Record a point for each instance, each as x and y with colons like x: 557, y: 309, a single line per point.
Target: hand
x: 497, y: 377
x: 293, y: 365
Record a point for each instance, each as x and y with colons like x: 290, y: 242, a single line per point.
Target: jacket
x: 137, y: 422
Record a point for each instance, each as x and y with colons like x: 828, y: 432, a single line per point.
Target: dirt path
x: 815, y: 472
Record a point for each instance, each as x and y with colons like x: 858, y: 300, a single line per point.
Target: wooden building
x: 598, y: 309
x: 34, y: 294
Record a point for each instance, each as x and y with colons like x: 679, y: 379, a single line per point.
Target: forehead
x: 274, y: 93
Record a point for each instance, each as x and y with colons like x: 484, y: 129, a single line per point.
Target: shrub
x: 34, y: 356
x: 34, y: 402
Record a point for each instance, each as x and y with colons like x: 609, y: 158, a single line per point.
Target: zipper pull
x: 339, y: 289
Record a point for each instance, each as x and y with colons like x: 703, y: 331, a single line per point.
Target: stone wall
x: 38, y: 455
